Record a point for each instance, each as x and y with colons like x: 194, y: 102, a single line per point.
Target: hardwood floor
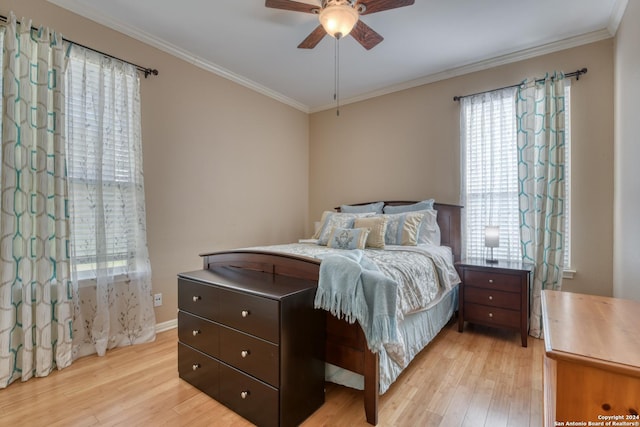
x: 482, y: 377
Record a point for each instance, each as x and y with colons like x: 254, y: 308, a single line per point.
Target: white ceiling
x: 430, y: 40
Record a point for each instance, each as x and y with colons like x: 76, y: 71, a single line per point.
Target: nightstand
x: 495, y: 294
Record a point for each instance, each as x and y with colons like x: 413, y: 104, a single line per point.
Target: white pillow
x: 429, y: 232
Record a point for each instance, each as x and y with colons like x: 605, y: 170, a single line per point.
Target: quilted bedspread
x: 422, y: 272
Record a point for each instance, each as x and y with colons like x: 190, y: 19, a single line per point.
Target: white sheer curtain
x: 35, y: 297
x: 490, y: 173
x: 110, y: 264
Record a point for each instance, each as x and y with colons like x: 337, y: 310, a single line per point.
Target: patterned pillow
x: 377, y: 226
x: 336, y: 219
x: 348, y: 238
x: 420, y: 206
x: 371, y: 207
x: 402, y: 229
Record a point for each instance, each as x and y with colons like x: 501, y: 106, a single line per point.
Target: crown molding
x: 509, y: 58
x: 617, y: 12
x: 92, y: 14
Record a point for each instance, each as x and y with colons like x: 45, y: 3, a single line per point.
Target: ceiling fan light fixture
x: 338, y: 19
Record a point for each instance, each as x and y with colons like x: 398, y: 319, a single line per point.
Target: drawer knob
x: 195, y: 366
x: 244, y: 394
x: 244, y: 353
x: 195, y: 332
x: 490, y: 314
x: 245, y: 313
x: 490, y: 280
x: 196, y: 298
x: 490, y: 297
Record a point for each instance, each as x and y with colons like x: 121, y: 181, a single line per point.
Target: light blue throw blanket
x: 350, y: 286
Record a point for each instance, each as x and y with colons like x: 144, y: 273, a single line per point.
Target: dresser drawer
x: 492, y: 298
x: 197, y: 298
x: 252, y: 355
x: 251, y: 314
x: 252, y: 399
x: 199, y: 370
x: 491, y: 315
x: 492, y: 280
x: 199, y: 333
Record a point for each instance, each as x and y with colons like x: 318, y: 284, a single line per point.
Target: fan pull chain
x: 336, y: 88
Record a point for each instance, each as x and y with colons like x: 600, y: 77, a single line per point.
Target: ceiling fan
x: 339, y: 18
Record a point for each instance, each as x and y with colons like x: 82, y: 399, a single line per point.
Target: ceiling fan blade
x: 373, y: 6
x: 365, y: 35
x: 313, y: 39
x: 292, y: 5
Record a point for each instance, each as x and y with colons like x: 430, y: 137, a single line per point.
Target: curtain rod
x: 575, y: 74
x: 145, y: 70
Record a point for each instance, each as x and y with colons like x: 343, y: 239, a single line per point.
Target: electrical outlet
x: 157, y: 300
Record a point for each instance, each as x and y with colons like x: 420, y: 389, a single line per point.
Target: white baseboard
x: 165, y: 326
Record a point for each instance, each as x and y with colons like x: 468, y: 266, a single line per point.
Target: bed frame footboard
x: 345, y: 344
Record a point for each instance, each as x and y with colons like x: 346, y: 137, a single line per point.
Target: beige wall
x: 406, y: 146
x: 224, y: 166
x: 627, y: 142
x: 227, y: 167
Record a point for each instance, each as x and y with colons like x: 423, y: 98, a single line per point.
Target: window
x: 102, y: 162
x: 490, y: 174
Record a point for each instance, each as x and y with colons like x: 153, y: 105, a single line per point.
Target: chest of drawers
x: 253, y: 342
x: 591, y: 370
x: 495, y: 295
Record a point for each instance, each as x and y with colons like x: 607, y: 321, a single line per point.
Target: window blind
x: 99, y: 160
x: 490, y: 173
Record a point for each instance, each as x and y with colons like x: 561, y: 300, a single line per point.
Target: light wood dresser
x: 592, y: 360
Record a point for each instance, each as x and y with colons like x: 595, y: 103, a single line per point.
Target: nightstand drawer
x: 490, y: 297
x: 491, y: 315
x: 492, y: 280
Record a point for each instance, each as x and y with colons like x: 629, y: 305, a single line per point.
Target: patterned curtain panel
x: 541, y: 156
x: 110, y: 262
x: 35, y: 292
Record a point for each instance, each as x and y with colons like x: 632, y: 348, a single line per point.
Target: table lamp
x: 491, y: 240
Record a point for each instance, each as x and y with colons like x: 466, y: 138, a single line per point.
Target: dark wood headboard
x: 449, y: 221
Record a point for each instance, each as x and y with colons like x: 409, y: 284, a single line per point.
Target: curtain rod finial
x: 149, y: 71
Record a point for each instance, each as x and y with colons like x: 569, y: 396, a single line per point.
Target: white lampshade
x: 338, y: 20
x: 492, y: 236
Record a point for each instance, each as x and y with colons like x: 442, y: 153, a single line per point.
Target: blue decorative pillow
x: 348, y: 238
x: 371, y: 207
x: 420, y: 206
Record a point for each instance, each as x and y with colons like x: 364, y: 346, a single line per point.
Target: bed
x: 348, y: 356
